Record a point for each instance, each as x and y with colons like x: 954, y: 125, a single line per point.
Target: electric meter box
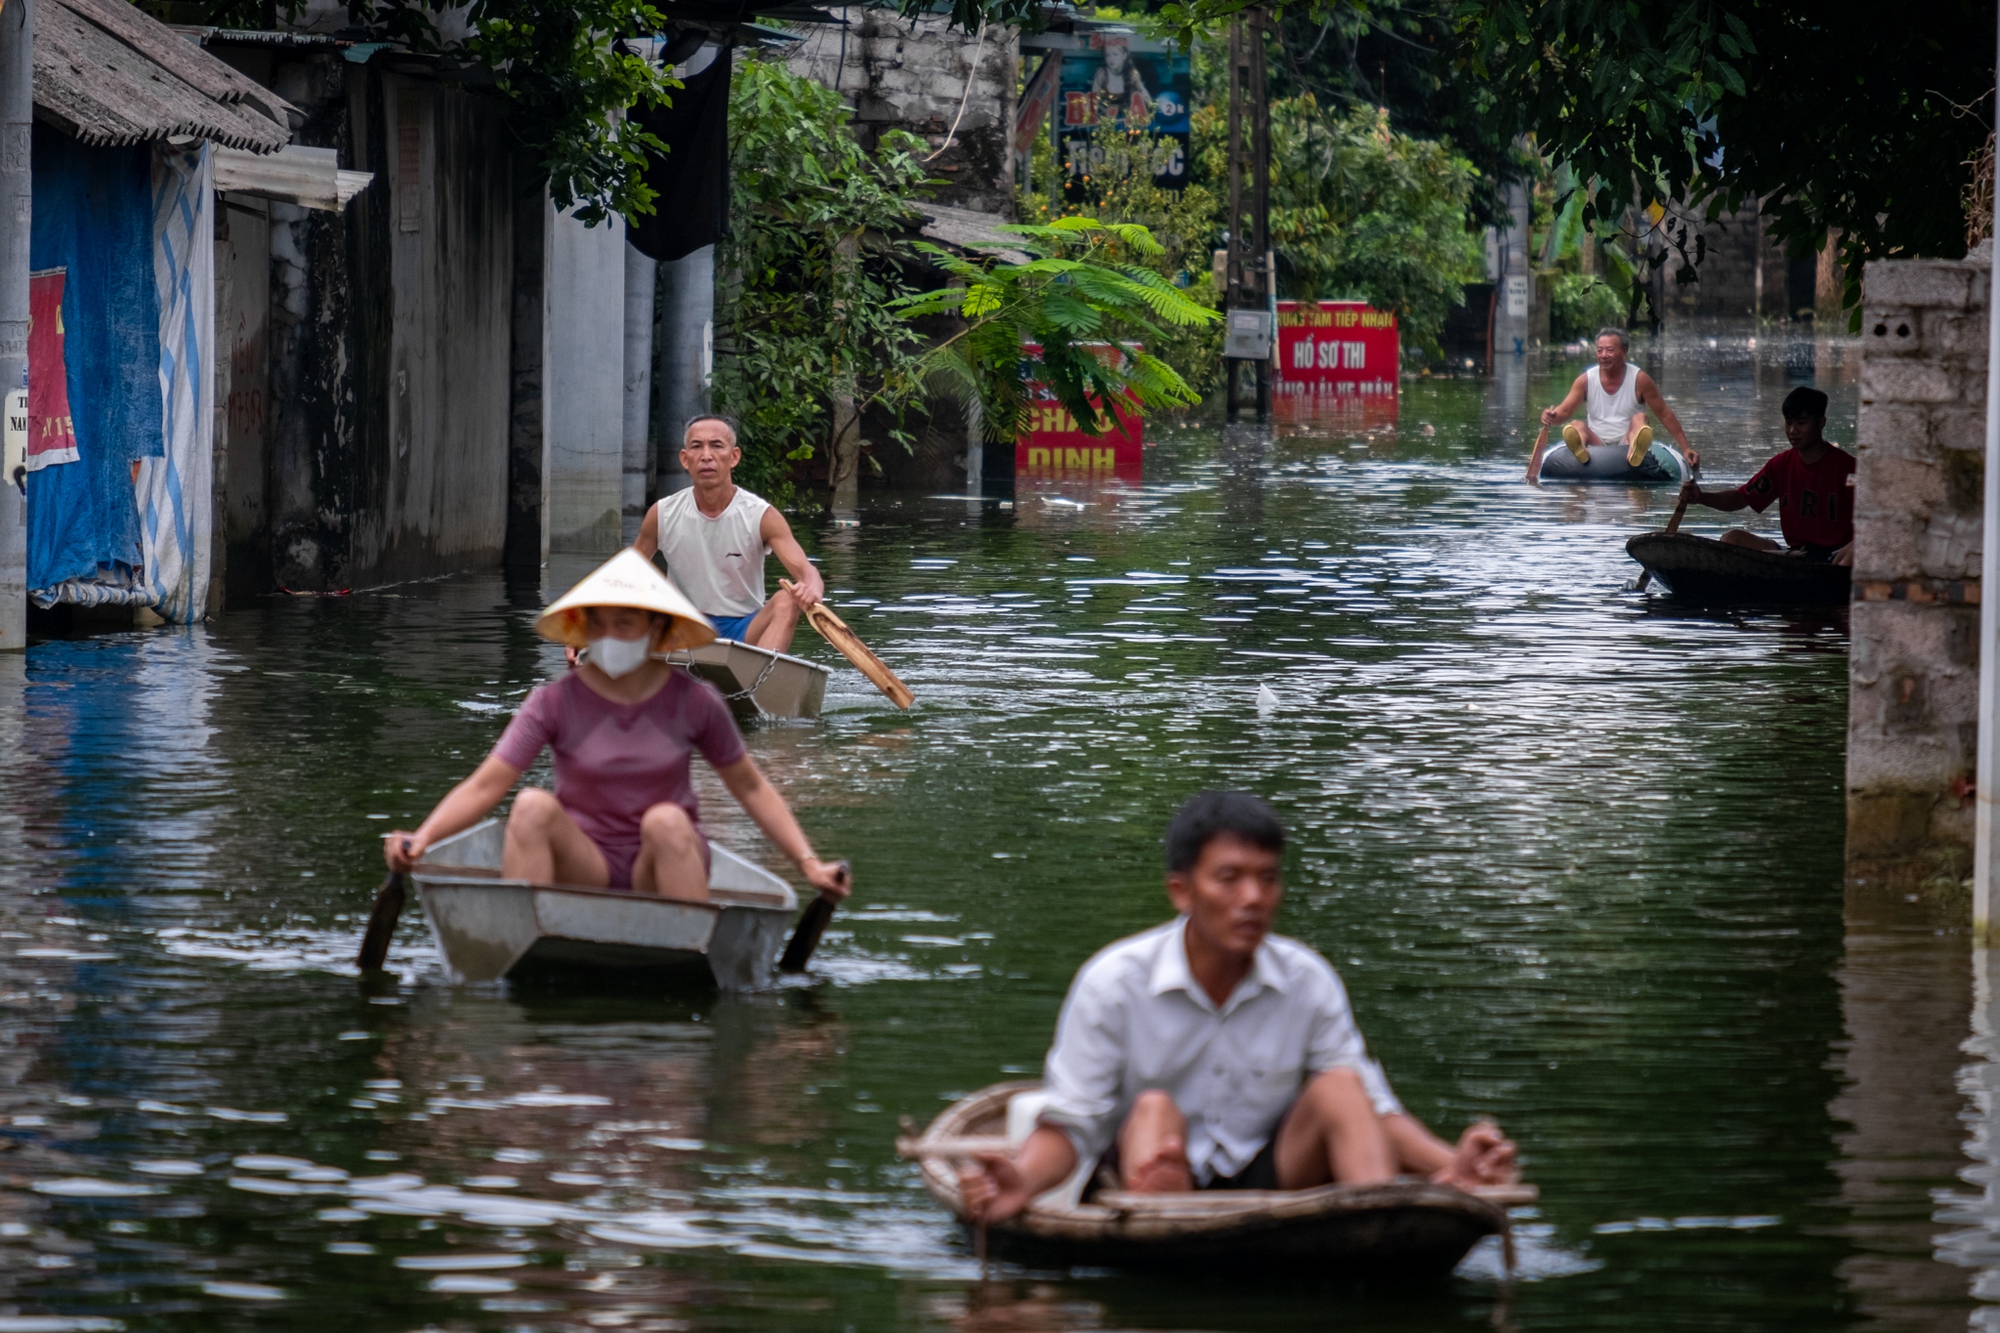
x: 1248, y: 335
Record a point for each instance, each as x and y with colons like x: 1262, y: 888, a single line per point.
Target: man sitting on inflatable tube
x: 1614, y: 396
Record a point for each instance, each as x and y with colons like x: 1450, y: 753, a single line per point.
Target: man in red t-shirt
x: 1813, y: 483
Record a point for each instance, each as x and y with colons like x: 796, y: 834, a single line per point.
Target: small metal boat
x: 1662, y: 464
x: 756, y: 681
x: 1409, y: 1229
x: 1705, y: 572
x: 489, y: 928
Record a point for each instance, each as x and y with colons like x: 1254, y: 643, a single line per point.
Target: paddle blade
x: 381, y: 924
x: 812, y: 925
x: 835, y: 631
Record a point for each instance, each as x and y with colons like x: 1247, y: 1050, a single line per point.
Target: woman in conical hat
x: 623, y: 726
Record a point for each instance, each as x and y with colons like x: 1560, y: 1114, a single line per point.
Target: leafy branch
x: 567, y: 80
x: 1078, y: 293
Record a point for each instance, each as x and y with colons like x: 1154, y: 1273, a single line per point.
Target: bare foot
x: 1485, y: 1156
x: 1165, y: 1172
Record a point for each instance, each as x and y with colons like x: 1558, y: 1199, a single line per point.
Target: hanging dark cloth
x: 691, y: 179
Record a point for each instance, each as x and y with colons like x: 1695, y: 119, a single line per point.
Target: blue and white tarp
x: 176, y: 491
x: 134, y: 227
x: 93, y: 218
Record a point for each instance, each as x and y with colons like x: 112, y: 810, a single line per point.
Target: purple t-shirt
x: 616, y: 761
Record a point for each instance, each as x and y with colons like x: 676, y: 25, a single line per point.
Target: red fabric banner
x: 51, y: 436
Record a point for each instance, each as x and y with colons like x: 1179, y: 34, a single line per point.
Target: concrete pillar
x: 640, y: 279
x: 975, y: 444
x: 1516, y: 278
x: 583, y: 392
x: 686, y: 356
x: 17, y: 114
x: 1913, y: 665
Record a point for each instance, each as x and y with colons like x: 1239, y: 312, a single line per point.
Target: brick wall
x: 1913, y: 670
x: 912, y: 74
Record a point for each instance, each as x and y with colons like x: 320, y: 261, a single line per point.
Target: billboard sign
x: 1110, y: 89
x: 1054, y: 446
x: 1343, y: 350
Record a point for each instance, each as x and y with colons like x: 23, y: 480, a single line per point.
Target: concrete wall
x: 585, y: 385
x: 1743, y: 272
x: 433, y: 420
x: 908, y: 74
x: 386, y: 411
x: 1913, y: 668
x: 243, y: 317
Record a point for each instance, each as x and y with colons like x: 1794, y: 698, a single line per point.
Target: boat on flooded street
x: 758, y: 682
x: 490, y: 928
x: 1702, y: 571
x: 1406, y: 1231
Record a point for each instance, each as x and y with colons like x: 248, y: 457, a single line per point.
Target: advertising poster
x: 1112, y: 90
x: 1339, y: 353
x: 1055, y: 448
x: 51, y: 433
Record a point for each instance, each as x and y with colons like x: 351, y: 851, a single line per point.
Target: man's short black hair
x: 1198, y: 822
x: 735, y: 431
x: 1803, y: 404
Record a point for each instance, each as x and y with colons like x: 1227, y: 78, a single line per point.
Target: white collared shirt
x: 1136, y: 1019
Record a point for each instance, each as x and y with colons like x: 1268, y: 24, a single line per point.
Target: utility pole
x: 1250, y: 304
x: 17, y: 115
x: 1986, y: 770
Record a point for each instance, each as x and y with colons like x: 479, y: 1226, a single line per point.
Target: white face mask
x: 620, y: 657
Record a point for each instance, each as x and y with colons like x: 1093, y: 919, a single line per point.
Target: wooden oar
x: 1674, y: 523
x: 381, y: 924
x: 812, y: 925
x: 835, y: 631
x: 1535, y: 458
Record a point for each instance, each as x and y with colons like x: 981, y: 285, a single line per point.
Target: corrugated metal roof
x: 106, y: 73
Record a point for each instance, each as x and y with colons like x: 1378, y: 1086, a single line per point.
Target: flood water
x: 1577, y: 854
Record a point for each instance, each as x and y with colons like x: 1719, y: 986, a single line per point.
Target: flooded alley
x: 1577, y: 853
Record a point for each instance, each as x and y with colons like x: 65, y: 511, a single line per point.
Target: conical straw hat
x: 626, y: 579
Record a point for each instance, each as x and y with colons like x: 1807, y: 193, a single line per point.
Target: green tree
x: 1084, y: 299
x: 1358, y: 210
x: 1822, y: 112
x: 566, y: 79
x: 1185, y: 223
x: 806, y: 322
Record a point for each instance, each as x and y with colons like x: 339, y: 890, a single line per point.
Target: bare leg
x: 1152, y: 1147
x: 1333, y: 1134
x: 670, y: 863
x: 1742, y: 537
x: 775, y: 624
x: 544, y: 845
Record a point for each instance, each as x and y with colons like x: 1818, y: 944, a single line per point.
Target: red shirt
x: 1815, y: 502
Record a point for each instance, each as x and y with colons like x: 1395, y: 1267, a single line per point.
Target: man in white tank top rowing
x: 715, y: 536
x: 1614, y: 395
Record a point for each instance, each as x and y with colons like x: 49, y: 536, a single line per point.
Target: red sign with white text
x: 1055, y: 447
x: 1340, y: 350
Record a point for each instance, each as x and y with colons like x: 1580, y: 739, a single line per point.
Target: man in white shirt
x: 1209, y: 1054
x: 715, y: 536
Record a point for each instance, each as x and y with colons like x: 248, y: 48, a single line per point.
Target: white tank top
x: 718, y: 562
x: 1610, y: 414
